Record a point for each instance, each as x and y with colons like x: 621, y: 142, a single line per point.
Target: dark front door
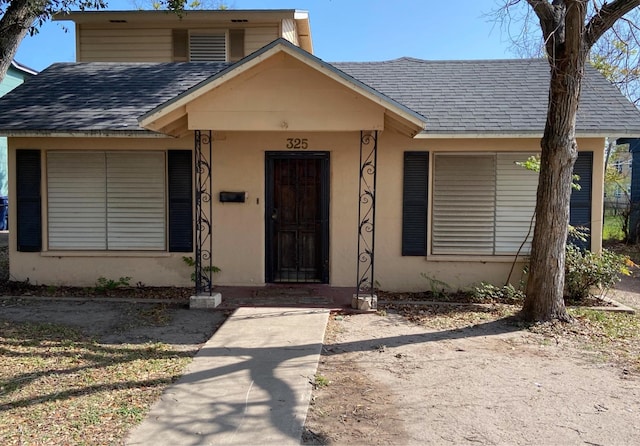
x: 297, y: 217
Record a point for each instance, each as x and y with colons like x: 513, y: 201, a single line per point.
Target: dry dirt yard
x: 427, y: 375
x: 471, y: 377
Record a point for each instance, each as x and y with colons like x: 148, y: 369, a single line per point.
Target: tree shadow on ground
x: 71, y: 354
x: 265, y: 367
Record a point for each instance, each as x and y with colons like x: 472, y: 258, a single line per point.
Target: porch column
x: 365, y: 297
x: 203, y: 186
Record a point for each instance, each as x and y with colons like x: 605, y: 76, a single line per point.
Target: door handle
x: 274, y: 214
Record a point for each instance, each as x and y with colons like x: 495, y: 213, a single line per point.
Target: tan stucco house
x: 220, y: 136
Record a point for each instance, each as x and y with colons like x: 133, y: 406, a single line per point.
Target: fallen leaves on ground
x: 59, y: 387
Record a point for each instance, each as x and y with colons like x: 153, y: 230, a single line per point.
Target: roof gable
x: 396, y: 114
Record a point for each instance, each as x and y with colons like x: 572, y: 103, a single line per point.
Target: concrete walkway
x: 249, y: 384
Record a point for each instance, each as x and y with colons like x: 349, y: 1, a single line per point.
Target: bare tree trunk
x: 568, y: 38
x: 545, y: 285
x: 567, y: 57
x: 14, y: 25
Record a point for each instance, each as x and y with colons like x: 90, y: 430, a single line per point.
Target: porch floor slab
x: 286, y: 295
x: 249, y: 384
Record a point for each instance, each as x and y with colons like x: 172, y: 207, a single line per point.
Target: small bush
x: 507, y: 293
x: 438, y: 287
x: 104, y: 284
x: 189, y: 261
x: 585, y: 270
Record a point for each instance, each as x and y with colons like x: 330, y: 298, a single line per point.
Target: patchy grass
x: 631, y: 250
x: 612, y: 228
x: 452, y: 316
x: 614, y: 336
x: 60, y: 387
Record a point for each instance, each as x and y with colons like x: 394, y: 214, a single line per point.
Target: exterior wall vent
x: 208, y: 47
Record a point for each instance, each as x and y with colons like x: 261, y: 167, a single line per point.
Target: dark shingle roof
x: 456, y: 97
x: 492, y: 96
x: 98, y: 96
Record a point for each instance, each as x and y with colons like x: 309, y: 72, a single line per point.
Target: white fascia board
x: 599, y: 134
x: 81, y: 134
x: 425, y: 135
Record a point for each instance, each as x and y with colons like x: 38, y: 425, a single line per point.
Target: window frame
x: 498, y: 210
x: 105, y: 180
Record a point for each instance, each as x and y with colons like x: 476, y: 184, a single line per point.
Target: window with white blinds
x: 482, y: 204
x: 106, y: 200
x: 515, y: 203
x: 208, y: 47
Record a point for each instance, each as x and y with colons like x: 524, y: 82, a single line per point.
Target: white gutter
x: 600, y: 134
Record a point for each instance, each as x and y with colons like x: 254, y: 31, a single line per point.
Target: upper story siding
x: 160, y: 36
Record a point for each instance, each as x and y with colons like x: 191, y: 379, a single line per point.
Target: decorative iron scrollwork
x: 204, y: 203
x: 367, y: 214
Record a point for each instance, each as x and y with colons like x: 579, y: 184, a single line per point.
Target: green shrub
x: 507, y: 293
x: 189, y: 261
x: 438, y: 287
x: 104, y: 284
x: 585, y: 270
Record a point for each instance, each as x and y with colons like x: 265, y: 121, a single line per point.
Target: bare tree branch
x: 605, y: 18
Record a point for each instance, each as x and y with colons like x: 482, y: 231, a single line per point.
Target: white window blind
x: 76, y: 200
x: 482, y: 204
x: 106, y: 200
x: 515, y: 203
x: 463, y: 204
x: 135, y: 201
x: 208, y: 47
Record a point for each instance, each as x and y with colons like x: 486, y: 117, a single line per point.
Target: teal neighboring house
x: 16, y: 75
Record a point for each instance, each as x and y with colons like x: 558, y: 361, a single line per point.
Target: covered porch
x: 285, y: 171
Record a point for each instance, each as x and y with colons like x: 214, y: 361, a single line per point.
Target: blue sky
x: 344, y: 30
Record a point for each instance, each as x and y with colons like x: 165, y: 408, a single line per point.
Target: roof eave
x: 23, y: 68
x: 304, y: 30
x: 12, y: 133
x: 523, y: 134
x: 195, y: 15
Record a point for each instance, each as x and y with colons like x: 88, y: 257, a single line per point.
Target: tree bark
x: 544, y: 297
x: 563, y: 26
x: 568, y: 39
x: 14, y: 25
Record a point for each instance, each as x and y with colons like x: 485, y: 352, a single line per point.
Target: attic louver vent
x: 207, y: 47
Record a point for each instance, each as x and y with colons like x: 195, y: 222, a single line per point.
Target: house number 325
x: 297, y: 143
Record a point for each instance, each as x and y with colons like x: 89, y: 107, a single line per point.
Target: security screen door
x: 297, y: 212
